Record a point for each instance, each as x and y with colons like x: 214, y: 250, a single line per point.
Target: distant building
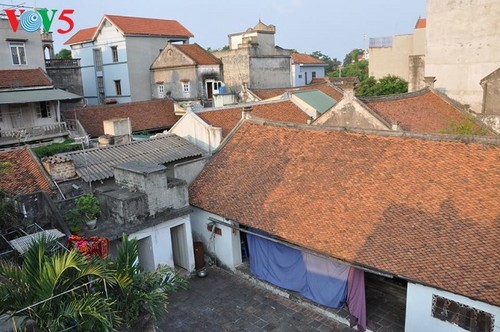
x: 116, y: 55
x: 253, y: 59
x: 401, y: 55
x: 304, y: 68
x: 186, y: 73
x: 462, y: 47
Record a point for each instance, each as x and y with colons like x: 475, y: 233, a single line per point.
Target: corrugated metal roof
x: 317, y: 99
x: 31, y: 96
x: 97, y: 164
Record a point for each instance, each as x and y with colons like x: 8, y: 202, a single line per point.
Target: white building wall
x: 195, y: 130
x: 299, y: 74
x: 419, y: 310
x: 225, y: 247
x: 161, y: 239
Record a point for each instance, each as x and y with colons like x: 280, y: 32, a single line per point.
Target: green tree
x: 331, y: 64
x: 53, y: 292
x: 30, y: 290
x: 357, y: 69
x: 64, y: 54
x: 387, y: 85
x: 352, y: 57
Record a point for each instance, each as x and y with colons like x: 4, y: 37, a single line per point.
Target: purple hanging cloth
x: 356, y: 299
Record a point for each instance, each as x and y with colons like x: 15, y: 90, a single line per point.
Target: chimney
x: 395, y: 126
x: 246, y: 112
x: 348, y: 89
x: 429, y: 81
x: 310, y: 120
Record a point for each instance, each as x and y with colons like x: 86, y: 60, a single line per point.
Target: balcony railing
x: 62, y: 63
x: 18, y: 135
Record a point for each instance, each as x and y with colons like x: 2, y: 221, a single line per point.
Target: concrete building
x: 116, y: 55
x: 462, y: 47
x: 186, y: 73
x: 305, y: 68
x: 401, y: 55
x: 20, y: 49
x: 254, y: 59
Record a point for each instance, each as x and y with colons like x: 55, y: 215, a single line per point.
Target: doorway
x: 179, y: 246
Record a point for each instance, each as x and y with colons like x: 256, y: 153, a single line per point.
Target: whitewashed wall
x: 195, y: 130
x: 161, y: 240
x: 419, y: 310
x: 226, y: 247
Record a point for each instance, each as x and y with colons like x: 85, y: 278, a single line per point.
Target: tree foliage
x: 332, y: 64
x: 352, y: 57
x: 67, y: 290
x: 64, y: 54
x: 387, y: 85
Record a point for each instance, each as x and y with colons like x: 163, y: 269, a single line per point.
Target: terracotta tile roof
x: 300, y: 58
x: 81, y: 36
x: 134, y: 26
x: 228, y: 118
x: 23, y: 78
x: 421, y: 23
x: 422, y: 111
x: 149, y: 26
x: 425, y: 210
x: 323, y: 86
x: 144, y: 115
x: 198, y: 54
x: 25, y: 174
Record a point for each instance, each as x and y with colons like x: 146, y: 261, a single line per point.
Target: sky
x: 330, y: 26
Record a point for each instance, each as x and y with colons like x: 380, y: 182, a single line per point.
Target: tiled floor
x: 226, y: 301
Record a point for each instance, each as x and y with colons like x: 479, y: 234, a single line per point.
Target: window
x: 300, y: 75
x: 43, y: 110
x: 161, y: 90
x: 18, y: 53
x: 118, y: 87
x: 185, y: 87
x: 98, y: 59
x: 313, y: 74
x: 100, y: 89
x: 468, y: 318
x: 114, y: 52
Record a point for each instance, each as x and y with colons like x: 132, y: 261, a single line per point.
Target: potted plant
x: 75, y: 220
x: 88, y: 205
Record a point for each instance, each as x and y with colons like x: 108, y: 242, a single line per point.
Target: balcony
x: 62, y: 63
x: 31, y: 134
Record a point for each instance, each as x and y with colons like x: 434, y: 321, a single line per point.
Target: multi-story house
x: 20, y: 49
x: 186, y: 73
x: 254, y: 60
x: 116, y: 56
x: 305, y: 68
x: 401, y: 55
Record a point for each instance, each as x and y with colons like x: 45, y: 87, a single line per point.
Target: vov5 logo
x: 32, y: 20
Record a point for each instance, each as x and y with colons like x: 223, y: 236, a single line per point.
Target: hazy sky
x: 331, y: 26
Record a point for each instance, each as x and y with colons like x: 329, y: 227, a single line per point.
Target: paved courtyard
x: 223, y: 301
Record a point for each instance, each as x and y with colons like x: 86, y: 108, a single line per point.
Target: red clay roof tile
x: 421, y: 23
x: 145, y: 115
x: 300, y: 58
x: 323, y: 85
x: 23, y: 78
x: 81, y: 36
x: 25, y: 174
x: 198, y: 54
x: 423, y: 112
x: 228, y: 118
x: 129, y: 25
x: 425, y: 210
